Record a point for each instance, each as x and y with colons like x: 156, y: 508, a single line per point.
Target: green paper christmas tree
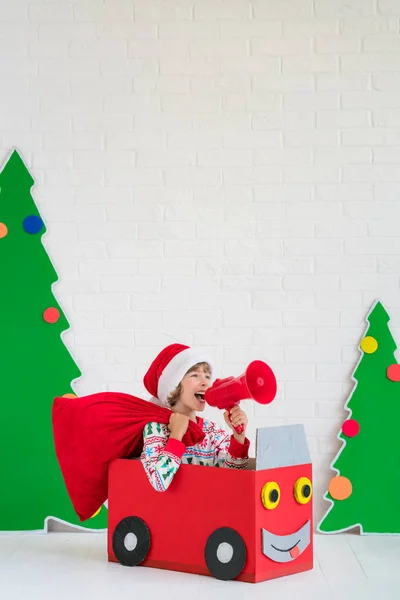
x: 35, y: 365
x: 365, y: 493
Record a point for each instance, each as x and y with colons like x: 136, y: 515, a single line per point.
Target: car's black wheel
x: 131, y: 541
x: 225, y: 553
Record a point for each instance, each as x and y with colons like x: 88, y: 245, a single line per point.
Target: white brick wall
x: 219, y: 173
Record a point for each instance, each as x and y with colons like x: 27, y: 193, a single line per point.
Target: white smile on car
x: 285, y: 548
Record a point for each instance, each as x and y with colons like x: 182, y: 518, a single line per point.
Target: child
x: 178, y: 379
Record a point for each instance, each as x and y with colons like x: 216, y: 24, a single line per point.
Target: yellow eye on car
x: 270, y: 495
x: 303, y: 490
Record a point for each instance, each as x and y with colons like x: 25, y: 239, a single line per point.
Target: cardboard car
x: 250, y: 525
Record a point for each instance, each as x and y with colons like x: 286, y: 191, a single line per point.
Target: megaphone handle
x: 240, y: 428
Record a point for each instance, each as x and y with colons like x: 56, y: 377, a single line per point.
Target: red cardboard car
x: 250, y: 525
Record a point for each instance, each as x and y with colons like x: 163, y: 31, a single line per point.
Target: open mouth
x: 200, y: 396
x: 284, y: 548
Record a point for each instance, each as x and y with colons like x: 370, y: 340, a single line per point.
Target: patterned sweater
x: 162, y: 456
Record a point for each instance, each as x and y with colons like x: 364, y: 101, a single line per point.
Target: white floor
x: 61, y: 566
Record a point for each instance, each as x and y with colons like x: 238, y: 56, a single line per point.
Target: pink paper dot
x: 350, y: 428
x: 393, y: 372
x: 51, y: 315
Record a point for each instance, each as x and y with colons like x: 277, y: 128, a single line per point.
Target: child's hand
x: 178, y: 425
x: 237, y: 417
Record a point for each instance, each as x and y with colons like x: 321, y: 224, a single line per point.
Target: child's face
x: 193, y: 387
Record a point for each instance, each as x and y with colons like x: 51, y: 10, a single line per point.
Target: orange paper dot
x: 369, y: 344
x: 340, y: 488
x: 69, y: 396
x: 51, y: 315
x: 3, y: 230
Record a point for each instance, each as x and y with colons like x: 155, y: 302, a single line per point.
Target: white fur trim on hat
x: 176, y: 369
x: 157, y: 401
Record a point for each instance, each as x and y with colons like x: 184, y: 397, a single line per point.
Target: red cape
x: 91, y: 431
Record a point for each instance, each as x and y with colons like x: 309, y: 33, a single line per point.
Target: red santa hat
x: 168, y: 369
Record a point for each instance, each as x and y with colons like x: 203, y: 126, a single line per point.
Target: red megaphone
x: 257, y: 382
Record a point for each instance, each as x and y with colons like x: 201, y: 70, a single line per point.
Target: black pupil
x: 306, y: 491
x: 273, y: 496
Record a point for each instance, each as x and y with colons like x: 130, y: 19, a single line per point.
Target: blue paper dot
x: 32, y: 224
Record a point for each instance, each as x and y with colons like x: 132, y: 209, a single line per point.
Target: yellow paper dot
x: 3, y: 230
x: 340, y: 488
x: 369, y: 344
x: 69, y: 396
x: 96, y: 513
